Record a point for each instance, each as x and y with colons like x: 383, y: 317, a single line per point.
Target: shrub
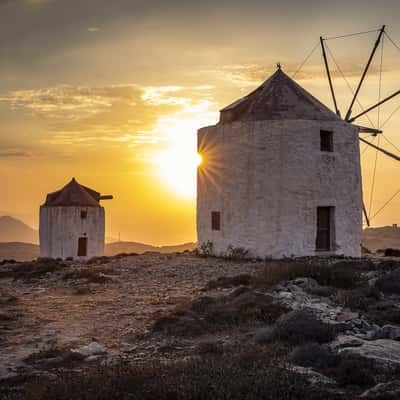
x: 313, y: 355
x: 264, y: 335
x: 236, y: 253
x: 391, y: 253
x: 301, y: 326
x: 358, y: 299
x: 206, y: 249
x: 210, y: 347
x: 90, y: 275
x: 389, y: 283
x: 384, y: 312
x: 208, y: 314
x: 229, y: 281
x: 34, y: 269
x: 342, y: 275
x: 354, y: 370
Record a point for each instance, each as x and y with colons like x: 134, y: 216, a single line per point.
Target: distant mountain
x: 27, y: 251
x: 14, y: 230
x: 112, y: 249
x: 381, y: 238
x: 19, y: 251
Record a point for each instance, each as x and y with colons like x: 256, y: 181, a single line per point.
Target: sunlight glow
x: 177, y: 163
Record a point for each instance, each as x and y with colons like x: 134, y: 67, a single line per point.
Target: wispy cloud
x: 250, y: 75
x: 14, y: 154
x: 115, y: 114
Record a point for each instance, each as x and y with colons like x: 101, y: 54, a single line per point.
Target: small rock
x: 91, y: 349
x: 391, y: 332
x: 346, y: 316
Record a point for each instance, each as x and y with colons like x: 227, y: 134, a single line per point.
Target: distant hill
x: 381, y: 238
x: 18, y: 251
x: 27, y: 251
x: 14, y: 230
x: 112, y: 249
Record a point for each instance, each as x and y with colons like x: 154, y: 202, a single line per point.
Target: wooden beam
x: 378, y: 40
x: 375, y: 105
x: 328, y: 73
x: 388, y: 153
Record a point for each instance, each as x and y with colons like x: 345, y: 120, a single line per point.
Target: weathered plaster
x: 267, y: 179
x: 60, y: 228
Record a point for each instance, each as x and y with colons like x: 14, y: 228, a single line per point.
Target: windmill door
x: 82, y: 247
x: 324, y: 220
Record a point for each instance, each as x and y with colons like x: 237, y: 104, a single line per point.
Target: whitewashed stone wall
x: 61, y: 227
x: 267, y: 179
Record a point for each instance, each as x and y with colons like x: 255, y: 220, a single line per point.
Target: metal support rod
x: 328, y: 73
x: 378, y: 40
x: 388, y: 153
x: 375, y: 105
x: 365, y: 214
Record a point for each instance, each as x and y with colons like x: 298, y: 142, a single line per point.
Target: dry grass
x: 90, y: 274
x: 252, y: 374
x: 389, y: 283
x: 342, y: 275
x: 28, y: 271
x: 229, y: 281
x: 207, y: 314
x: 300, y: 326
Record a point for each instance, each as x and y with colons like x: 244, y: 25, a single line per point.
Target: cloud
x: 70, y: 102
x: 14, y: 154
x: 114, y: 115
x: 250, y: 75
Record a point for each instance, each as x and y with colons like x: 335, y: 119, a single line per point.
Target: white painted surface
x: 61, y: 227
x: 267, y: 179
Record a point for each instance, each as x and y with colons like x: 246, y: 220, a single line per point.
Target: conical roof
x: 73, y: 194
x: 278, y: 98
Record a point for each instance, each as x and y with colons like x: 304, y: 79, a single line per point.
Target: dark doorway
x: 82, y: 247
x: 215, y: 220
x: 324, y: 228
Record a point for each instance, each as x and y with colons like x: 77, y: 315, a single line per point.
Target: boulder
x: 386, y: 390
x: 384, y: 353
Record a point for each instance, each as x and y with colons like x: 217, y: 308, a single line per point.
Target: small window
x: 215, y: 220
x: 326, y: 140
x: 83, y: 214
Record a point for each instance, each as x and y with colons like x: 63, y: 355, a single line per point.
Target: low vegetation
x: 28, y: 271
x: 389, y: 283
x: 208, y: 314
x: 90, y: 274
x: 300, y: 326
x: 342, y: 275
x: 252, y: 375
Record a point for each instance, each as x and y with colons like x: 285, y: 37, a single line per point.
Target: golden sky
x: 112, y: 92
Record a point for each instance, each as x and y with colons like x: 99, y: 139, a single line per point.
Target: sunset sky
x: 112, y: 93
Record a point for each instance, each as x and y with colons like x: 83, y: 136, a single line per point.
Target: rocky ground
x: 331, y: 326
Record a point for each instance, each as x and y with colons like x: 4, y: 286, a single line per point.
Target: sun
x: 178, y: 166
x: 178, y: 161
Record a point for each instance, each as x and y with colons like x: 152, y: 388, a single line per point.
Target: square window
x: 326, y: 140
x: 83, y: 214
x: 215, y: 220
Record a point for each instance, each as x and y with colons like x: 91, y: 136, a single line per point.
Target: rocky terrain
x: 181, y: 326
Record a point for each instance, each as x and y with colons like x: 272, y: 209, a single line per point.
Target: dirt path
x: 55, y: 312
